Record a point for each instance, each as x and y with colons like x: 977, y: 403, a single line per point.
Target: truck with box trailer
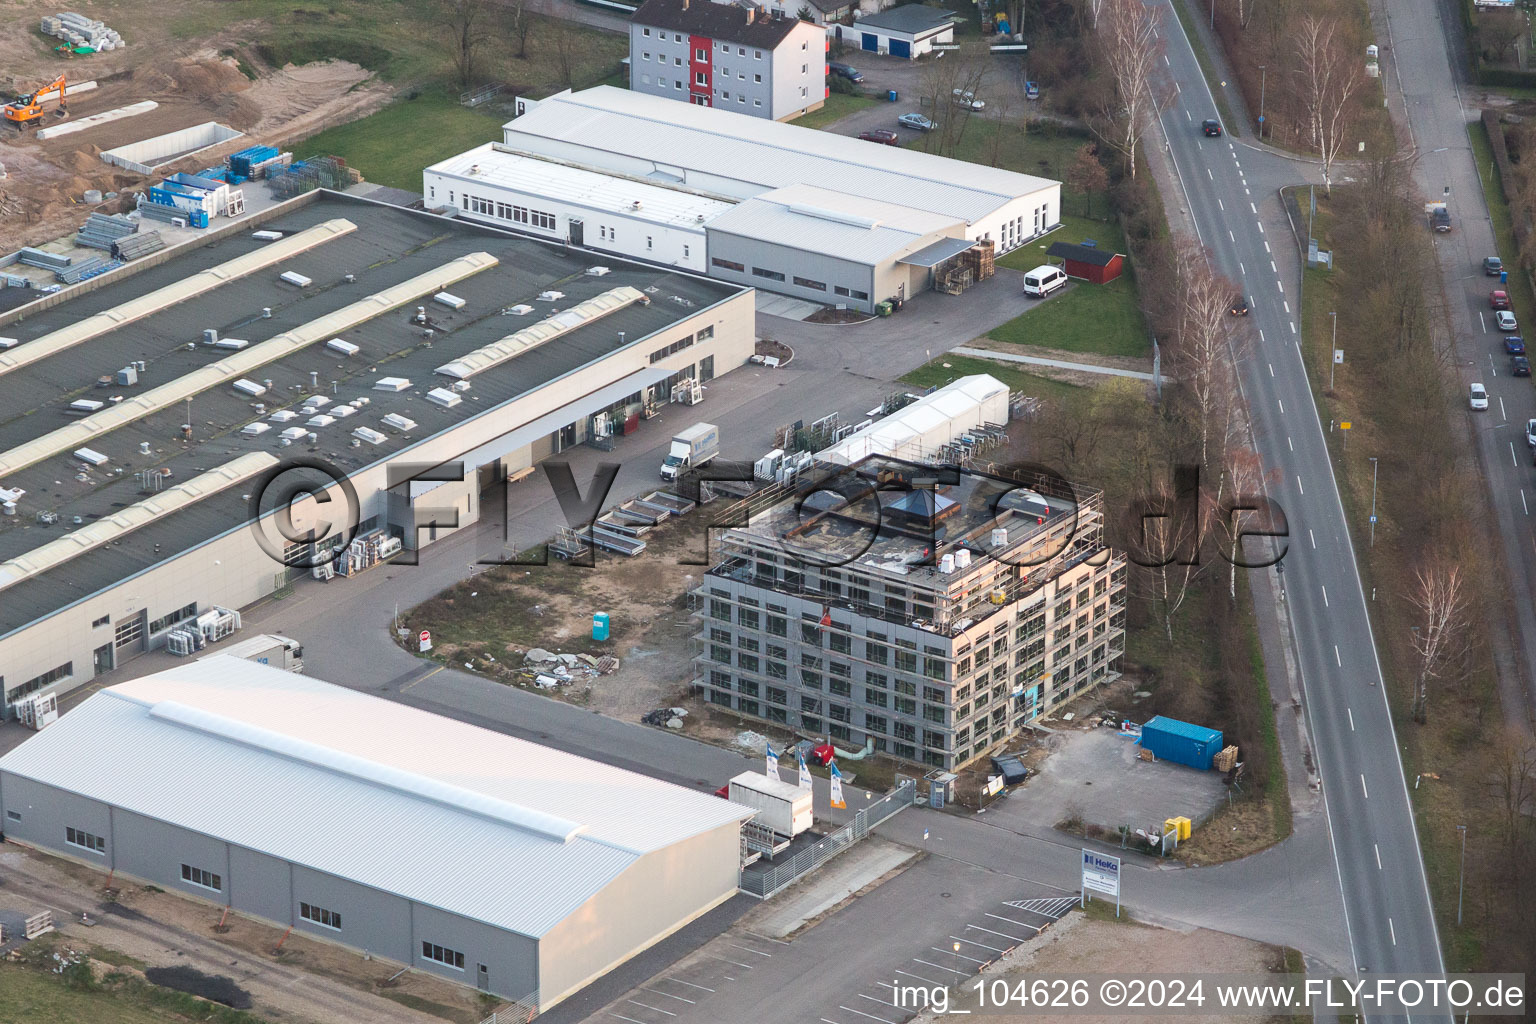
x: 782, y: 806
x: 280, y: 652
x: 691, y: 448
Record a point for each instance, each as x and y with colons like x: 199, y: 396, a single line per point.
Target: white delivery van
x: 1041, y: 281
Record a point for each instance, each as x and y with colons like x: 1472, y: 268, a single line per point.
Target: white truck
x: 280, y: 652
x: 692, y: 448
x: 782, y: 806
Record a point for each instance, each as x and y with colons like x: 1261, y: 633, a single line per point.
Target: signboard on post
x: 426, y: 641
x: 1101, y: 873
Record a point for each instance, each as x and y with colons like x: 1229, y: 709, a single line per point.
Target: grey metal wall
x: 259, y: 886
x: 659, y: 894
x: 791, y: 262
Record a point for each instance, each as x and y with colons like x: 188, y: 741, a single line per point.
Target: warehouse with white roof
x: 514, y: 867
x: 855, y: 222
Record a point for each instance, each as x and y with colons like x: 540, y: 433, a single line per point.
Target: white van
x: 1041, y: 281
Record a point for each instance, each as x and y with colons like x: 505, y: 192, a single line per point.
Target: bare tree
x: 1071, y: 437
x: 1499, y: 31
x: 1331, y: 72
x: 1130, y: 47
x: 520, y: 24
x: 951, y: 73
x: 1515, y: 783
x: 1164, y: 544
x: 1440, y: 637
x: 1244, y: 482
x: 467, y: 25
x: 566, y: 46
x: 1087, y: 175
x: 1203, y: 357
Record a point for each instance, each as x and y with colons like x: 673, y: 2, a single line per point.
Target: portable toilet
x: 1173, y: 740
x: 599, y: 625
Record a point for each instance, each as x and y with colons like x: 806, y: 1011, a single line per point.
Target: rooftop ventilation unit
x: 210, y: 336
x: 95, y: 458
x: 451, y: 301
x: 231, y: 343
x: 343, y: 411
x: 391, y: 384
x: 283, y: 416
x: 249, y: 387
x: 370, y: 435
x: 85, y: 405
x: 320, y: 421
x: 8, y: 343
x: 294, y: 433
x: 346, y: 348
x: 267, y: 236
x: 443, y: 397
x: 399, y: 422
x: 298, y: 280
x: 316, y: 402
x: 598, y: 271
x: 551, y: 296
x: 255, y: 429
x: 521, y: 309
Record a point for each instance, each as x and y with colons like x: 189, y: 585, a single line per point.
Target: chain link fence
x: 764, y: 884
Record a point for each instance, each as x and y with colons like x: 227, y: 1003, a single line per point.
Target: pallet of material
x: 87, y: 269
x: 43, y: 260
x: 1225, y: 759
x: 134, y: 246
x: 160, y: 212
x: 101, y: 230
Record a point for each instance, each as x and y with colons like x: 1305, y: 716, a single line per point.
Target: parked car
x: 1240, y: 306
x: 1530, y: 433
x: 915, y: 121
x: 1031, y: 90
x: 1498, y: 299
x: 1211, y: 127
x: 884, y: 136
x: 1493, y: 266
x: 1519, y: 366
x: 967, y: 99
x: 1514, y: 345
x: 847, y: 71
x: 1440, y: 219
x: 1506, y: 321
x: 1478, y: 398
x: 1043, y: 280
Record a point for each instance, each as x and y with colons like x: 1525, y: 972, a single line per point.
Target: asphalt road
x: 1230, y: 189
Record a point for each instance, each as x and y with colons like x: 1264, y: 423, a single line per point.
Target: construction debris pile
x: 548, y: 671
x: 81, y: 33
x: 670, y: 718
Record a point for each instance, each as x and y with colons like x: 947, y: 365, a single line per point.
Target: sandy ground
x: 308, y: 981
x: 191, y: 82
x: 1080, y: 945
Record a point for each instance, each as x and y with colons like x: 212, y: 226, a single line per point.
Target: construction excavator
x: 26, y: 111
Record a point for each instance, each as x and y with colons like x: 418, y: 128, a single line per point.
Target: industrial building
x: 925, y: 615
x: 510, y: 866
x: 807, y: 213
x: 910, y: 31
x: 735, y: 56
x: 331, y: 338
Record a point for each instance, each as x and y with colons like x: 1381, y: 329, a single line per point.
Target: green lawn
x: 36, y: 998
x: 1087, y: 317
x: 391, y: 148
x: 838, y: 105
x: 937, y: 374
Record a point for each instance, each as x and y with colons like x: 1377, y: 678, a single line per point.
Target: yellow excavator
x: 25, y: 111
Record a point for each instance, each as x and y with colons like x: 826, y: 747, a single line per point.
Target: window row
x: 672, y: 349
x: 443, y: 955
x: 320, y: 916
x: 506, y: 211
x: 85, y: 840
x: 200, y: 877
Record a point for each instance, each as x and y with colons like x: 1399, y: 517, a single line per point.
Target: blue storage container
x: 1173, y: 740
x: 599, y: 625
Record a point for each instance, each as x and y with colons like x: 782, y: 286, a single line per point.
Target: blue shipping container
x: 1173, y: 740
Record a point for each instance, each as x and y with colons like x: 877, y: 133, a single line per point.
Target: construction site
x: 66, y: 109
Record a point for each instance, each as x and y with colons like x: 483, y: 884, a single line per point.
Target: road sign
x: 426, y: 641
x: 1345, y: 425
x: 1373, y: 519
x: 1338, y: 355
x: 1101, y: 873
x: 1261, y: 119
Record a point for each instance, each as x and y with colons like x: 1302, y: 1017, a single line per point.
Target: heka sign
x: 1101, y: 873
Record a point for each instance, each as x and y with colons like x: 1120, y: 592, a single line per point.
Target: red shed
x: 1086, y: 262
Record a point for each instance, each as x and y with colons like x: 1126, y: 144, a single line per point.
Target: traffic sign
x: 426, y: 641
x: 1373, y: 519
x: 1345, y: 425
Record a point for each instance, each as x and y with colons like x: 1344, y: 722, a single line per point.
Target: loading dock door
x: 871, y: 42
x: 901, y: 48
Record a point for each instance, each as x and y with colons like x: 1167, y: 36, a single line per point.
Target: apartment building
x: 734, y: 57
x: 924, y: 616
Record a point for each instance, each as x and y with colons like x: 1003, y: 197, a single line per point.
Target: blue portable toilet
x: 891, y: 95
x: 1173, y: 740
x: 599, y: 625
x: 1503, y: 277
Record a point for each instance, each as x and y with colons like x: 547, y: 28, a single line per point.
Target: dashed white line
x: 1336, y: 659
x: 1309, y: 535
x: 1281, y: 404
x: 1186, y: 113
x: 1367, y: 792
x: 1261, y: 335
x: 1502, y: 413
x: 1246, y: 190
x: 1242, y: 269
x: 1271, y: 368
x: 872, y: 999
x: 1391, y: 928
x: 1293, y: 324
x: 919, y: 977
x: 1300, y: 488
x: 989, y: 931
x: 1273, y: 268
x: 1266, y: 245
x: 962, y: 956
x: 1255, y: 209
x: 1222, y: 205
x: 1351, y: 715
x: 1165, y: 60
x: 1325, y: 598
x: 951, y: 970
x: 1281, y: 286
x: 1290, y: 444
x: 1512, y: 454
x: 1522, y: 502
x: 1231, y: 236
x: 1021, y: 924
x: 1258, y: 225
x: 1209, y: 175
x: 983, y: 945
x: 1287, y: 304
x: 1378, y: 855
x: 861, y: 1013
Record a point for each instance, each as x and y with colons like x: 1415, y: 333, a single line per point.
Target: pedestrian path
x: 1059, y: 364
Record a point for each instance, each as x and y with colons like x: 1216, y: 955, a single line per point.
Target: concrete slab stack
x: 78, y: 30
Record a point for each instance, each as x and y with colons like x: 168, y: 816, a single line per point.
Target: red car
x: 1498, y: 299
x: 883, y: 136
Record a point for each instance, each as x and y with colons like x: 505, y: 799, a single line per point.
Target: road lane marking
x: 919, y: 977
x: 1281, y: 286
x: 1246, y: 191
x: 1242, y: 269
x: 1287, y: 305
x: 1222, y: 205
x: 732, y: 962
x: 1502, y: 413
x: 989, y: 931
x: 872, y: 999
x: 1255, y: 209
x: 1522, y: 502
x: 1274, y: 268
x: 647, y: 1006
x: 1209, y: 175
x: 1336, y: 659
x: 1291, y: 444
x: 764, y: 938
x: 1391, y: 928
x: 669, y: 995
x: 749, y: 949
x: 1512, y: 454
x: 962, y: 956
x: 1378, y: 855
x: 622, y: 1017
x: 1293, y: 325
x: 1282, y: 413
x: 1300, y: 488
x: 1483, y: 323
x: 1165, y: 61
x: 1261, y: 335
x: 1309, y: 533
x: 1325, y: 598
x: 1362, y: 786
x: 1266, y: 245
x: 1259, y: 226
x: 429, y: 675
x: 1187, y: 113
x: 1021, y: 924
x: 1231, y: 236
x: 861, y: 1013
x: 983, y: 945
x: 929, y: 963
x: 1351, y: 715
x: 690, y: 984
x: 1271, y: 368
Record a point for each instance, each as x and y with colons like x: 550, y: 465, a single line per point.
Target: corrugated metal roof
x: 758, y: 153
x: 938, y: 252
x: 450, y: 815
x: 823, y: 220
x: 928, y: 423
x: 580, y: 186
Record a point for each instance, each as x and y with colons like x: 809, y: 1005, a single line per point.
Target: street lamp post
x: 1374, y: 468
x: 1333, y: 349
x: 1461, y: 881
x: 1262, y: 80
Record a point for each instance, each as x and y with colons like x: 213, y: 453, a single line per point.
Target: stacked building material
x: 134, y: 246
x: 84, y: 270
x: 317, y: 172
x: 149, y: 210
x: 44, y: 260
x: 254, y: 161
x: 78, y: 30
x: 101, y: 230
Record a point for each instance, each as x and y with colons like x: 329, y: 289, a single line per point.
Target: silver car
x: 915, y: 121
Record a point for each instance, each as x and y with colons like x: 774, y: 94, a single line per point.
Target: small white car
x: 1530, y: 433
x: 1506, y: 321
x: 1478, y: 397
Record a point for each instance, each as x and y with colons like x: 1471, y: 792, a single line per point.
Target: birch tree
x: 1440, y: 636
x: 1165, y: 546
x: 1131, y: 48
x: 1203, y: 357
x: 1330, y: 74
